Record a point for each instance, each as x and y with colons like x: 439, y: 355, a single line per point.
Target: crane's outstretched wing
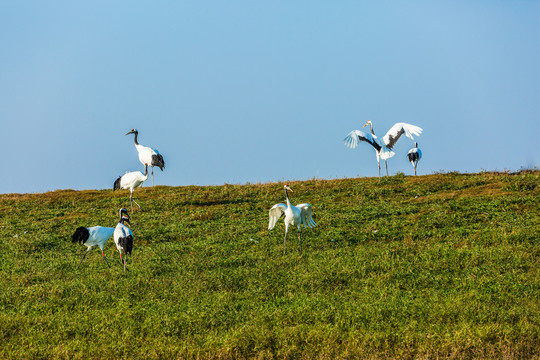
x: 305, y: 215
x: 275, y: 213
x: 397, y: 130
x: 355, y: 136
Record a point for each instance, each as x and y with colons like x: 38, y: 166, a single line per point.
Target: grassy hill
x: 445, y: 265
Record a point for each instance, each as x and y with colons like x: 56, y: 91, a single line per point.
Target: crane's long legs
x: 300, y: 239
x: 133, y: 201
x: 284, y: 242
x: 137, y: 204
x: 379, y: 165
x: 386, y: 164
x: 87, y: 251
x: 122, y: 259
x: 152, y: 176
x: 104, y: 258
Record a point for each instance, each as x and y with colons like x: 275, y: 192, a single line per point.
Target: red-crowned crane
x: 92, y: 236
x: 294, y: 216
x: 123, y: 237
x: 131, y: 180
x: 414, y: 155
x: 147, y: 155
x: 383, y: 147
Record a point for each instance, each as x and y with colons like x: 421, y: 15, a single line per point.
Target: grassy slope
x: 440, y: 265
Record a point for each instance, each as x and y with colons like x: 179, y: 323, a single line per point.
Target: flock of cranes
x: 294, y: 216
x: 98, y: 236
x: 383, y: 147
x: 123, y: 237
x: 134, y: 179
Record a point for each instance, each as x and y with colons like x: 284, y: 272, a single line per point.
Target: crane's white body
x: 123, y: 237
x: 93, y: 236
x: 414, y: 155
x: 147, y: 155
x: 131, y: 180
x: 383, y: 147
x: 297, y: 216
x: 98, y: 236
x: 121, y: 231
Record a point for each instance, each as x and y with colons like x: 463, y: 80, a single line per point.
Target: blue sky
x: 247, y: 91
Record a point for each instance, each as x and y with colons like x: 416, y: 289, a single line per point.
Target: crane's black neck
x: 287, y: 195
x: 371, y: 127
x: 121, y: 221
x: 136, y: 134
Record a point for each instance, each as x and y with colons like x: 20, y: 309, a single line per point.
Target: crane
x: 294, y: 216
x: 147, y: 155
x: 383, y: 147
x: 123, y: 237
x: 414, y: 155
x: 131, y: 180
x: 92, y: 236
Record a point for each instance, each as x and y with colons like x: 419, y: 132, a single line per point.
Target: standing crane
x: 131, y: 181
x: 147, y: 155
x: 294, y: 216
x: 414, y: 155
x: 383, y: 147
x: 92, y: 236
x: 123, y: 237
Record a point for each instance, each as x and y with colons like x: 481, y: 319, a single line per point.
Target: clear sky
x: 260, y: 91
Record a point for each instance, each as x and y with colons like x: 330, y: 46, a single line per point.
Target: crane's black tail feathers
x: 413, y: 156
x: 116, y: 185
x: 157, y: 160
x: 81, y: 235
x: 126, y: 243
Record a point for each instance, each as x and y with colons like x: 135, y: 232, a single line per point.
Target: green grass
x: 445, y: 265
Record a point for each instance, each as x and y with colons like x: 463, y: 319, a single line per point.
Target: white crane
x: 131, y: 181
x: 123, y: 237
x: 92, y: 236
x: 294, y: 216
x: 414, y: 155
x: 147, y: 155
x: 383, y: 147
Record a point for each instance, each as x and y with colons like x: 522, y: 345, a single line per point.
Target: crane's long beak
x: 131, y: 132
x: 365, y: 125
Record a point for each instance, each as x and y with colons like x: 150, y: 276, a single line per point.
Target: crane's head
x: 124, y: 216
x: 133, y: 131
x: 367, y: 123
x: 287, y: 187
